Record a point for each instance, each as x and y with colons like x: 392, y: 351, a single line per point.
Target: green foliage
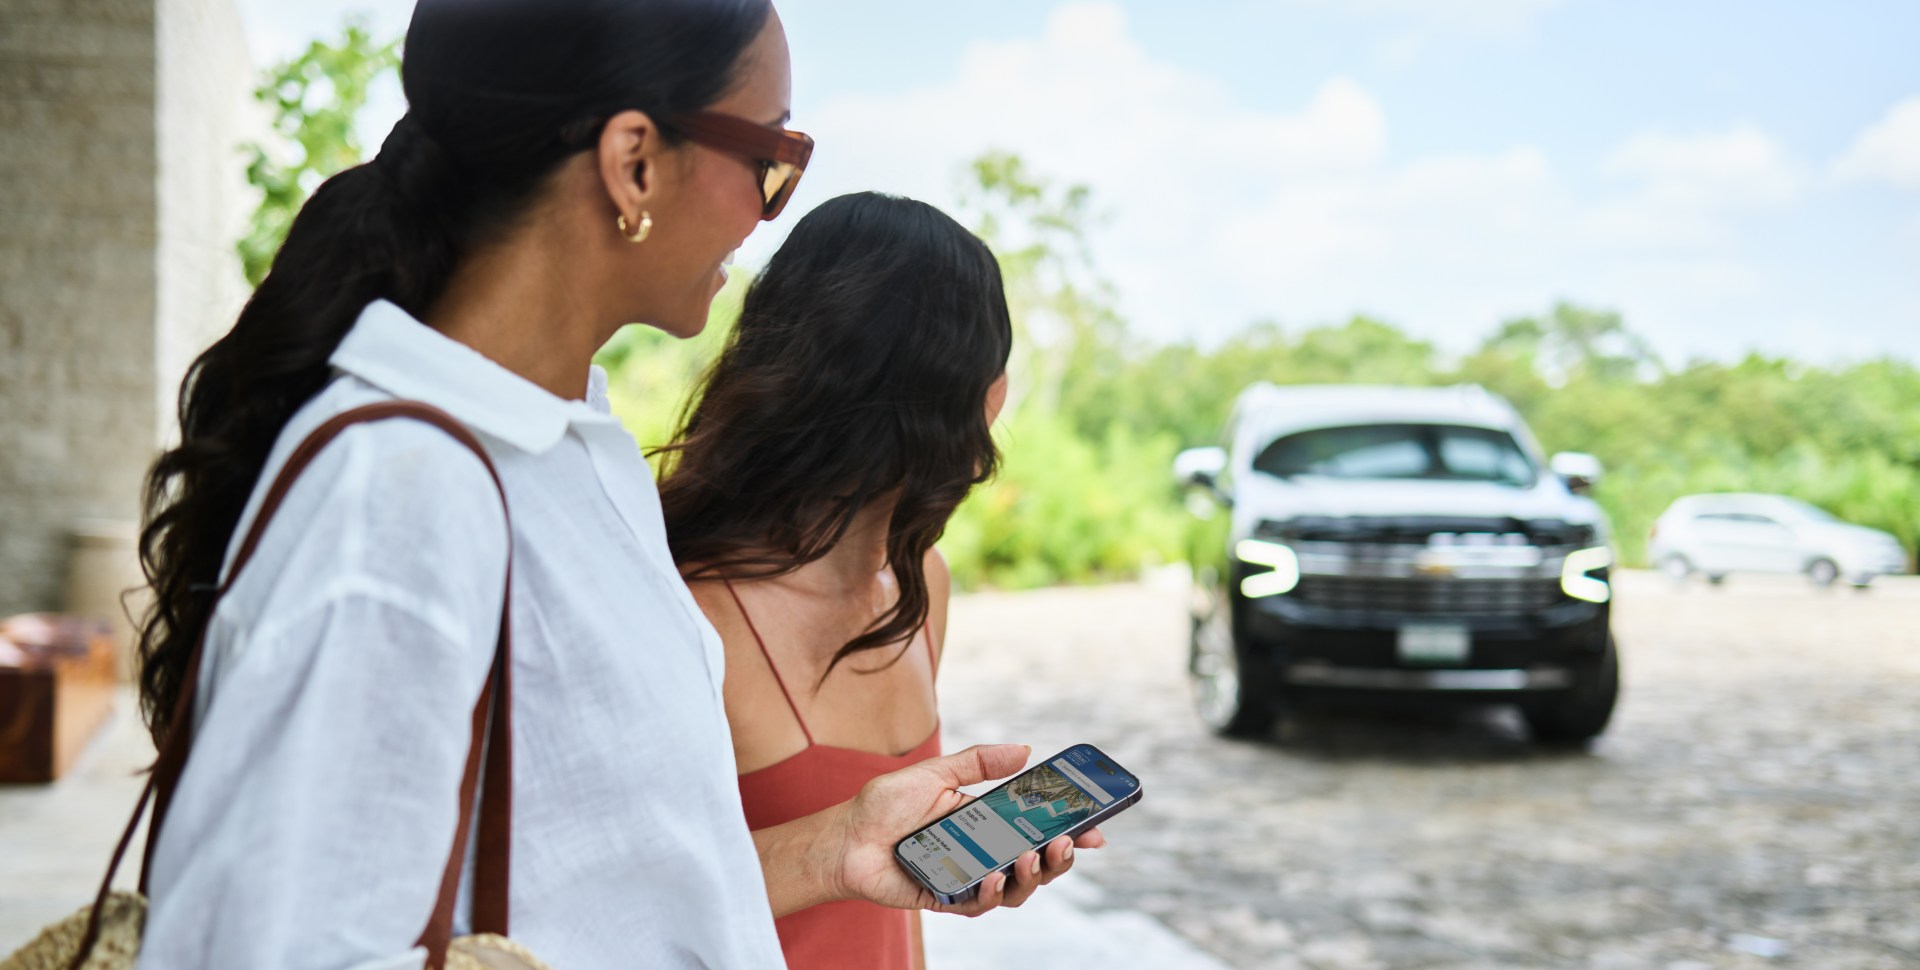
x: 1067, y: 507
x: 315, y: 99
x: 1086, y: 493
x: 1065, y: 327
x: 1083, y: 491
x: 1844, y: 438
x: 1188, y: 391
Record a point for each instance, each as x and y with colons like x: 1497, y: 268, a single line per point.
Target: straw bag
x: 106, y: 935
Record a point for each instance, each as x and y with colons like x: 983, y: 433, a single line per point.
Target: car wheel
x: 1228, y: 699
x: 1823, y: 572
x: 1581, y: 712
x: 1676, y: 568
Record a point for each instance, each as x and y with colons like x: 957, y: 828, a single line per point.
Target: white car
x: 1719, y: 534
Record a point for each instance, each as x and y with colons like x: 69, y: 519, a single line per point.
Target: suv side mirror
x: 1579, y: 470
x: 1201, y: 468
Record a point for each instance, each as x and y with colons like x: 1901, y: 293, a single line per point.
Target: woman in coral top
x: 848, y: 416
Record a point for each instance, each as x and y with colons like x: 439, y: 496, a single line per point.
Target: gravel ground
x: 1756, y: 802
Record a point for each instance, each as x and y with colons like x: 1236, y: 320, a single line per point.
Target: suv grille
x: 1441, y: 597
x: 1417, y: 530
x: 1429, y: 565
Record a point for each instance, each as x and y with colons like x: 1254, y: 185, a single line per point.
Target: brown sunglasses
x: 781, y: 154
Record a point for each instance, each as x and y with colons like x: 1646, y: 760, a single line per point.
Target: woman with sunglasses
x: 564, y: 167
x: 847, y: 417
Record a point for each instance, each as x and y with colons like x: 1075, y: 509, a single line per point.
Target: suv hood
x: 1265, y: 497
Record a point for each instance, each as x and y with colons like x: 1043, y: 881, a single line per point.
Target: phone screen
x: 1036, y: 806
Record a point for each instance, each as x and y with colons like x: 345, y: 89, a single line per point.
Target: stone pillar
x: 121, y: 192
x: 206, y: 109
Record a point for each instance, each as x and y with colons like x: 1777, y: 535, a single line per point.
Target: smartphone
x: 1066, y: 794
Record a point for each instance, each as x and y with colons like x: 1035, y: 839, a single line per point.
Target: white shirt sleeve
x: 313, y: 821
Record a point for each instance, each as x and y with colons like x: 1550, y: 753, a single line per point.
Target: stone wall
x: 118, y: 122
x: 78, y: 228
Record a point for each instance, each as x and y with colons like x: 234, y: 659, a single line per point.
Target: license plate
x: 1434, y: 643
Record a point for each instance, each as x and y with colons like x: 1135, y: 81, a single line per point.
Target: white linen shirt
x: 314, y: 818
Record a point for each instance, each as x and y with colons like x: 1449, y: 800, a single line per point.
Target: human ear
x: 629, y: 155
x: 996, y: 397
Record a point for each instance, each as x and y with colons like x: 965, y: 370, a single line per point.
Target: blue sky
x: 1731, y: 176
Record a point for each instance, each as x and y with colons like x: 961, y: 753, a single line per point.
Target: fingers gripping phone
x: 1066, y: 794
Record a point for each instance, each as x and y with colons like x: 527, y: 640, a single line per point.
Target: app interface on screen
x: 1039, y: 805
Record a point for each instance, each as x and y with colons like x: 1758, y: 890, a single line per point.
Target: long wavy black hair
x: 858, y: 372
x: 499, y: 93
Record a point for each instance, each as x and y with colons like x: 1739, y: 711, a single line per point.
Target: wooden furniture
x: 56, y: 689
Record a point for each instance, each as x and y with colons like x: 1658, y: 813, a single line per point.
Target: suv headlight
x: 1283, y: 568
x: 1574, y: 578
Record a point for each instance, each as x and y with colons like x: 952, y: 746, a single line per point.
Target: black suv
x: 1406, y: 542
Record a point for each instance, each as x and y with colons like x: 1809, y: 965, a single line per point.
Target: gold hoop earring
x: 636, y: 234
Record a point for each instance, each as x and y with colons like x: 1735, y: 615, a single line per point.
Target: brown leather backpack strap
x: 492, y: 731
x: 438, y: 934
x: 493, y: 853
x: 92, y: 935
x: 491, y: 866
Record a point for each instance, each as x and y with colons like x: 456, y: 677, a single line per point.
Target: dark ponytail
x: 500, y: 92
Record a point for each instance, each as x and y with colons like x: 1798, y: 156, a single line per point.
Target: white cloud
x: 1739, y: 167
x: 1168, y: 152
x: 1400, y: 50
x: 1498, y: 18
x: 1222, y: 213
x: 1889, y: 151
x: 1679, y: 191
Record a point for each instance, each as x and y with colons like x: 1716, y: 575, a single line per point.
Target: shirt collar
x: 391, y: 350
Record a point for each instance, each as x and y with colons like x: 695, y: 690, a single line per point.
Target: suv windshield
x: 1400, y: 451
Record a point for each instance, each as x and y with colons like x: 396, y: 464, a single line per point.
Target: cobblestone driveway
x: 1756, y: 803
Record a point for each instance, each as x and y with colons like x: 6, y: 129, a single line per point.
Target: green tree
x: 1572, y: 341
x: 1085, y: 491
x: 1065, y: 327
x: 315, y: 99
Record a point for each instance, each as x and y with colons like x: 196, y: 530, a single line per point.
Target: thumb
x: 982, y: 762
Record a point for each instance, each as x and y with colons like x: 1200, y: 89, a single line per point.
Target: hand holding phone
x: 1061, y: 798
x: 854, y: 844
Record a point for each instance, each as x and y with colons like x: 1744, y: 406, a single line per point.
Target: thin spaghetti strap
x: 757, y: 638
x: 933, y: 659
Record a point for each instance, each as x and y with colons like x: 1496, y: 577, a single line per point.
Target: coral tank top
x: 849, y: 934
